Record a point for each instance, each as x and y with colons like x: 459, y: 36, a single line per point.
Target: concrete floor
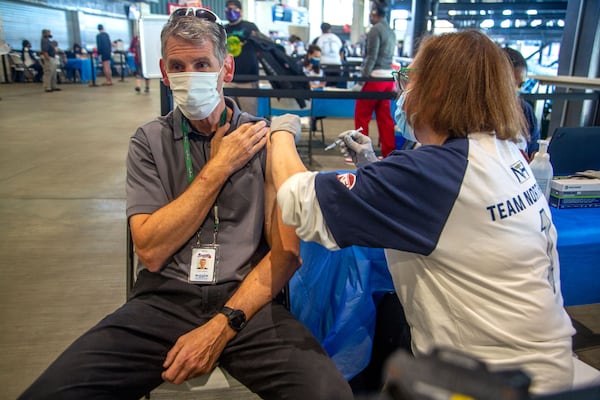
x: 62, y: 220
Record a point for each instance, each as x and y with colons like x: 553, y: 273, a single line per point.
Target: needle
x: 339, y: 141
x: 332, y: 145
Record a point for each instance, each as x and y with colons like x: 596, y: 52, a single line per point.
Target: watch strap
x: 235, y: 318
x: 227, y: 311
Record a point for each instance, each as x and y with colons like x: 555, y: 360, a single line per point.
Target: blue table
x: 335, y: 294
x: 579, y: 253
x: 84, y: 66
x: 336, y: 108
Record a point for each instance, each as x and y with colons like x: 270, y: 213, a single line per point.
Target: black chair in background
x: 20, y: 72
x: 575, y: 149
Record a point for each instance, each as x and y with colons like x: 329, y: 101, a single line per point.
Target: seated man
x: 31, y: 61
x: 198, y: 187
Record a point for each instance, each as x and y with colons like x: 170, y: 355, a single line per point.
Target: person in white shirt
x: 31, y: 61
x: 331, y: 47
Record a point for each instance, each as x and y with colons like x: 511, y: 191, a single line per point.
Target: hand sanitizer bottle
x: 542, y: 168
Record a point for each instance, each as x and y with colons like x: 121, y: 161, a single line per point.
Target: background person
x: 312, y: 65
x: 519, y: 65
x: 76, y: 52
x: 73, y: 71
x: 104, y: 47
x: 331, y: 48
x: 244, y: 52
x: 136, y: 50
x: 451, y: 214
x: 79, y: 51
x: 48, y: 54
x: 296, y: 47
x: 202, y: 160
x: 379, y: 55
x: 31, y: 61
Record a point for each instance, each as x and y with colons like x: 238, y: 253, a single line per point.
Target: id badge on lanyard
x: 205, y: 257
x: 203, y: 267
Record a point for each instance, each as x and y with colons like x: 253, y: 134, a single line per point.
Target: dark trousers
x: 39, y: 72
x: 121, y: 357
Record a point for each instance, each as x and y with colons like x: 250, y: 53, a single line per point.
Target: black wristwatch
x: 236, y: 318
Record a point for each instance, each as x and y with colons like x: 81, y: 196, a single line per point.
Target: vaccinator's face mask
x: 401, y: 121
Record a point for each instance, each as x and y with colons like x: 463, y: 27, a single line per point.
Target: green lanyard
x: 187, y: 153
x: 189, y: 171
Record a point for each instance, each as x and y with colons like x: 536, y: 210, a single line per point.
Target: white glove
x: 287, y: 122
x: 358, y: 146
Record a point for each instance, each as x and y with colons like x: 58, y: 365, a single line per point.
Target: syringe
x: 340, y: 140
x: 332, y: 145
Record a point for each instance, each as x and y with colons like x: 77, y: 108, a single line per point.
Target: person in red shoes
x: 380, y: 48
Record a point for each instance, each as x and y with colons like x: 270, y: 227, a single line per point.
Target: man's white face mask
x: 195, y: 93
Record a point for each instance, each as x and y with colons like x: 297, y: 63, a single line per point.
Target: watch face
x: 237, y: 320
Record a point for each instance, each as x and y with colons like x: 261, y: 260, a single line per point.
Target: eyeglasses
x: 401, y: 77
x: 202, y: 13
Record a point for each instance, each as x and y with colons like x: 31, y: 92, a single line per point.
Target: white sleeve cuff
x: 300, y: 208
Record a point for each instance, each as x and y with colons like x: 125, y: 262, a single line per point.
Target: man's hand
x: 237, y: 148
x: 357, y: 146
x: 196, y: 353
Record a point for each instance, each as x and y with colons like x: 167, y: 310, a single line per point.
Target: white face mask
x: 400, y: 116
x: 195, y: 93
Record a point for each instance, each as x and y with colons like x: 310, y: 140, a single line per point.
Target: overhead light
x: 487, y: 23
x: 535, y: 23
x: 507, y: 12
x: 505, y: 24
x: 561, y: 23
x: 531, y: 12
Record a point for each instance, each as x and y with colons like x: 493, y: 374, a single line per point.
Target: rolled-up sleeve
x: 300, y: 209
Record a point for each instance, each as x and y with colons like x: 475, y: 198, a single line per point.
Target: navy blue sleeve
x: 401, y: 202
x: 534, y: 131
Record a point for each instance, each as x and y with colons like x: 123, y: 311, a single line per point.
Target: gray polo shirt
x: 156, y: 175
x: 47, y: 47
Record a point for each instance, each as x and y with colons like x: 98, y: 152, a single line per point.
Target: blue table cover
x: 579, y: 254
x: 84, y: 66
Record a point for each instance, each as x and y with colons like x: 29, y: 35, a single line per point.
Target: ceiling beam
x: 443, y: 8
x: 499, y: 17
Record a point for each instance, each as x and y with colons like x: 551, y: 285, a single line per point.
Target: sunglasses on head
x: 202, y: 13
